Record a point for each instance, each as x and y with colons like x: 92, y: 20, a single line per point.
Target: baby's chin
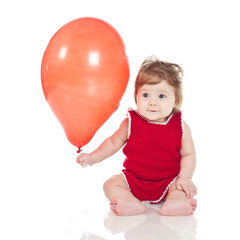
x: 156, y: 119
x: 153, y: 120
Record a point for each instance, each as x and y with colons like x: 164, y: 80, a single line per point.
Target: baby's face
x: 156, y: 102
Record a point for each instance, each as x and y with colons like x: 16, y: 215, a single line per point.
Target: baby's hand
x: 84, y: 159
x: 185, y: 184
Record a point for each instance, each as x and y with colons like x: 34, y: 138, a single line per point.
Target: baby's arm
x: 188, y: 163
x: 110, y: 146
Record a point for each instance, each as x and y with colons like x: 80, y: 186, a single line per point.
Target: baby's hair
x: 153, y: 71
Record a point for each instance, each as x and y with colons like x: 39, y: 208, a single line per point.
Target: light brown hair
x: 153, y: 71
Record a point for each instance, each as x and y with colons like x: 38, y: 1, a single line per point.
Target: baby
x: 160, y: 155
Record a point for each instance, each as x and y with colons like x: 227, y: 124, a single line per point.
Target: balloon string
x: 79, y: 150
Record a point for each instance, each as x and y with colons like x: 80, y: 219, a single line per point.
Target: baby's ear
x: 176, y: 105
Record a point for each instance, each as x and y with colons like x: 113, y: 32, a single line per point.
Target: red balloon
x: 84, y: 75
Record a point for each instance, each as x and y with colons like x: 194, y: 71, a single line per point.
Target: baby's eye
x: 145, y: 95
x: 162, y: 96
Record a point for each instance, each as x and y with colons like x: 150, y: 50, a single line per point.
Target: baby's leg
x: 122, y: 201
x: 177, y: 203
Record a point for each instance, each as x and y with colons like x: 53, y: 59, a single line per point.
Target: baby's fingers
x: 187, y: 191
x: 179, y: 187
x: 84, y: 164
x: 80, y: 160
x: 190, y: 191
x: 77, y: 160
x: 195, y: 190
x: 184, y: 188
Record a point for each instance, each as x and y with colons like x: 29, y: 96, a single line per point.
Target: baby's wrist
x: 90, y: 160
x: 187, y: 177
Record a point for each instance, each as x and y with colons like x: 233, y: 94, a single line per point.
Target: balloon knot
x: 79, y: 150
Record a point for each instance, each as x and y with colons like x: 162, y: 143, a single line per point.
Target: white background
x: 41, y: 186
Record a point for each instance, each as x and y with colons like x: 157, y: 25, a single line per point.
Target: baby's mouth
x: 152, y: 110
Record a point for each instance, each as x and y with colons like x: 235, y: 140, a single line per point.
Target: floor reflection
x: 94, y: 225
x: 91, y: 236
x: 152, y: 226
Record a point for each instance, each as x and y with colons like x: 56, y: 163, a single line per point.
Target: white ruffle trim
x: 129, y: 124
x: 125, y: 178
x: 151, y: 201
x: 164, y: 193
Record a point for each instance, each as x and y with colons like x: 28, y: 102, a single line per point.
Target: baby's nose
x: 152, y: 102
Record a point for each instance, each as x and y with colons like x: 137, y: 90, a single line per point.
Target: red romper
x: 152, y: 156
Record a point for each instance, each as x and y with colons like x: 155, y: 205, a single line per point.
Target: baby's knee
x: 112, y: 182
x: 109, y: 183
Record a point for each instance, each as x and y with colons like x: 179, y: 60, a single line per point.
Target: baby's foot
x: 126, y: 208
x: 179, y: 208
